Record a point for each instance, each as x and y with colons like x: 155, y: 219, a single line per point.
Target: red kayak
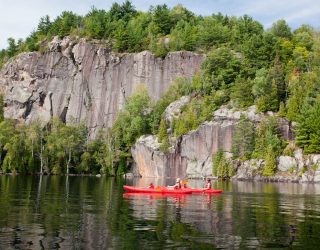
x: 161, y: 190
x: 204, y: 190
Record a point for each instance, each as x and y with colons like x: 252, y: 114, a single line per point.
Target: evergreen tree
x: 282, y: 110
x: 163, y: 138
x: 267, y: 134
x: 44, y: 25
x: 241, y: 93
x: 162, y: 133
x: 281, y: 29
x: 308, y: 129
x: 243, y: 139
x: 220, y: 166
x: 270, y: 162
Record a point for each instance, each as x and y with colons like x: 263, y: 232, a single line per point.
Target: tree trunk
x: 68, y: 163
x: 32, y: 148
x: 41, y: 157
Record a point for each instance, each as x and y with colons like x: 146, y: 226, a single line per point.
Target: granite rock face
x: 192, y: 153
x: 79, y: 80
x: 151, y: 162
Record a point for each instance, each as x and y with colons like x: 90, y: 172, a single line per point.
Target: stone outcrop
x: 285, y: 163
x: 80, y: 80
x: 192, y: 153
x: 296, y: 168
x: 173, y: 111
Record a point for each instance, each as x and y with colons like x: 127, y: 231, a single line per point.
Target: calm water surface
x: 93, y: 213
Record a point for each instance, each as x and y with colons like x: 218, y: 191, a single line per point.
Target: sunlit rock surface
x: 80, y: 80
x: 191, y: 155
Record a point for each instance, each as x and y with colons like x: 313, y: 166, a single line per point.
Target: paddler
x: 178, y: 184
x: 208, y: 184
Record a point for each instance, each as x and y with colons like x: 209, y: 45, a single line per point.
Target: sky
x: 20, y: 17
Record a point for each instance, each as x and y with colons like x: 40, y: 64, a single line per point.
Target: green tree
x: 16, y: 152
x: 64, y: 24
x: 220, y: 166
x: 132, y: 122
x: 162, y: 133
x: 137, y: 33
x: 7, y: 131
x: 267, y: 134
x: 163, y: 138
x: 265, y: 90
x: 308, y: 129
x: 183, y: 37
x: 211, y: 32
x: 270, y: 164
x: 12, y: 47
x: 36, y: 139
x: 243, y: 139
x: 241, y: 93
x: 220, y: 68
x: 120, y: 37
x: 281, y: 29
x: 95, y: 23
x: 162, y: 19
x: 44, y: 25
x: 64, y: 143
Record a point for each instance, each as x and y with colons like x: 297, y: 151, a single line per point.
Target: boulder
x: 173, y: 111
x: 286, y: 163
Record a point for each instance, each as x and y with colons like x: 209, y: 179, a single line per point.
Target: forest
x: 276, y: 69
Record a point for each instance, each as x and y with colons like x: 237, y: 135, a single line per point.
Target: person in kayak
x: 151, y: 185
x: 208, y: 184
x: 177, y: 185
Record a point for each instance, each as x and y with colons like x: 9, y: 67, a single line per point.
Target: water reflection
x: 94, y: 213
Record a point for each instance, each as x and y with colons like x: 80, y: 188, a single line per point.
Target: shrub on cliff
x: 220, y: 165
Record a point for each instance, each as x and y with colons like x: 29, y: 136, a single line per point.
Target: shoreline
x: 273, y: 179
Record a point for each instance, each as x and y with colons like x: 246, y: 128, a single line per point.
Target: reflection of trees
x: 55, y: 209
x: 59, y: 212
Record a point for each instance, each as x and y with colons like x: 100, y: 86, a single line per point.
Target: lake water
x: 53, y: 212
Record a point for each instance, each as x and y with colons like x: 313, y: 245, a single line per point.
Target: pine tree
x: 241, y: 93
x: 162, y: 132
x: 282, y: 110
x: 307, y: 132
x: 163, y: 138
x: 270, y: 163
x: 243, y: 139
x: 220, y: 166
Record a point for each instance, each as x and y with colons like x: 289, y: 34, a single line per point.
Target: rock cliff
x: 80, y: 80
x: 191, y: 155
